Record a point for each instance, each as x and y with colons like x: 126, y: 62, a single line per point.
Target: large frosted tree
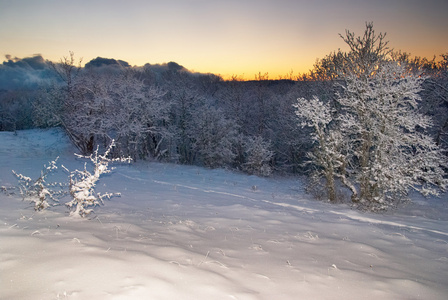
x: 375, y: 142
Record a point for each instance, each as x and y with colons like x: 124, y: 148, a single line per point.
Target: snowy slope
x: 183, y: 232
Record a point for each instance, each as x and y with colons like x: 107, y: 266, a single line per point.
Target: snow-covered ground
x: 184, y: 232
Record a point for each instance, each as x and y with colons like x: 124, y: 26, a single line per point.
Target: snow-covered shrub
x: 258, y: 156
x: 40, y: 191
x: 82, y: 183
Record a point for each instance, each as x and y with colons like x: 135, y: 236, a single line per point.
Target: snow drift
x: 183, y: 232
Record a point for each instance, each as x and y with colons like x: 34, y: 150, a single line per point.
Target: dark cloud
x: 170, y: 71
x: 28, y: 72
x: 170, y: 67
x: 101, y: 61
x: 35, y: 62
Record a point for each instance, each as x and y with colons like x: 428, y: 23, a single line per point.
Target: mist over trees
x: 375, y: 121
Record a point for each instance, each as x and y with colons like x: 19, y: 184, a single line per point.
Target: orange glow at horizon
x: 226, y: 38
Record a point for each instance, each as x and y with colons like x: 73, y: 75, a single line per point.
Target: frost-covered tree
x: 377, y: 143
x: 387, y: 133
x: 435, y: 91
x: 258, y: 156
x: 317, y: 115
x: 139, y: 116
x: 115, y: 105
x: 64, y: 102
x: 16, y: 109
x: 186, y: 102
x: 213, y: 137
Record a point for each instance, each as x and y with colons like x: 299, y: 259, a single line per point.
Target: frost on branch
x: 40, y: 191
x: 313, y: 113
x: 82, y: 183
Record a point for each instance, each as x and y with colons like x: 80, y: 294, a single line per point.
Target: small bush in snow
x: 82, y: 183
x: 81, y: 186
x: 40, y: 191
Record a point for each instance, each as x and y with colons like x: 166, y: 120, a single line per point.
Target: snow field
x: 183, y: 232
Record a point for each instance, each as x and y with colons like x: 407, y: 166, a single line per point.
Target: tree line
x: 375, y: 121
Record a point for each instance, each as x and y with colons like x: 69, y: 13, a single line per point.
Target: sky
x: 225, y: 37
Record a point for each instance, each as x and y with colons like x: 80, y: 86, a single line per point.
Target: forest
x: 370, y: 124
